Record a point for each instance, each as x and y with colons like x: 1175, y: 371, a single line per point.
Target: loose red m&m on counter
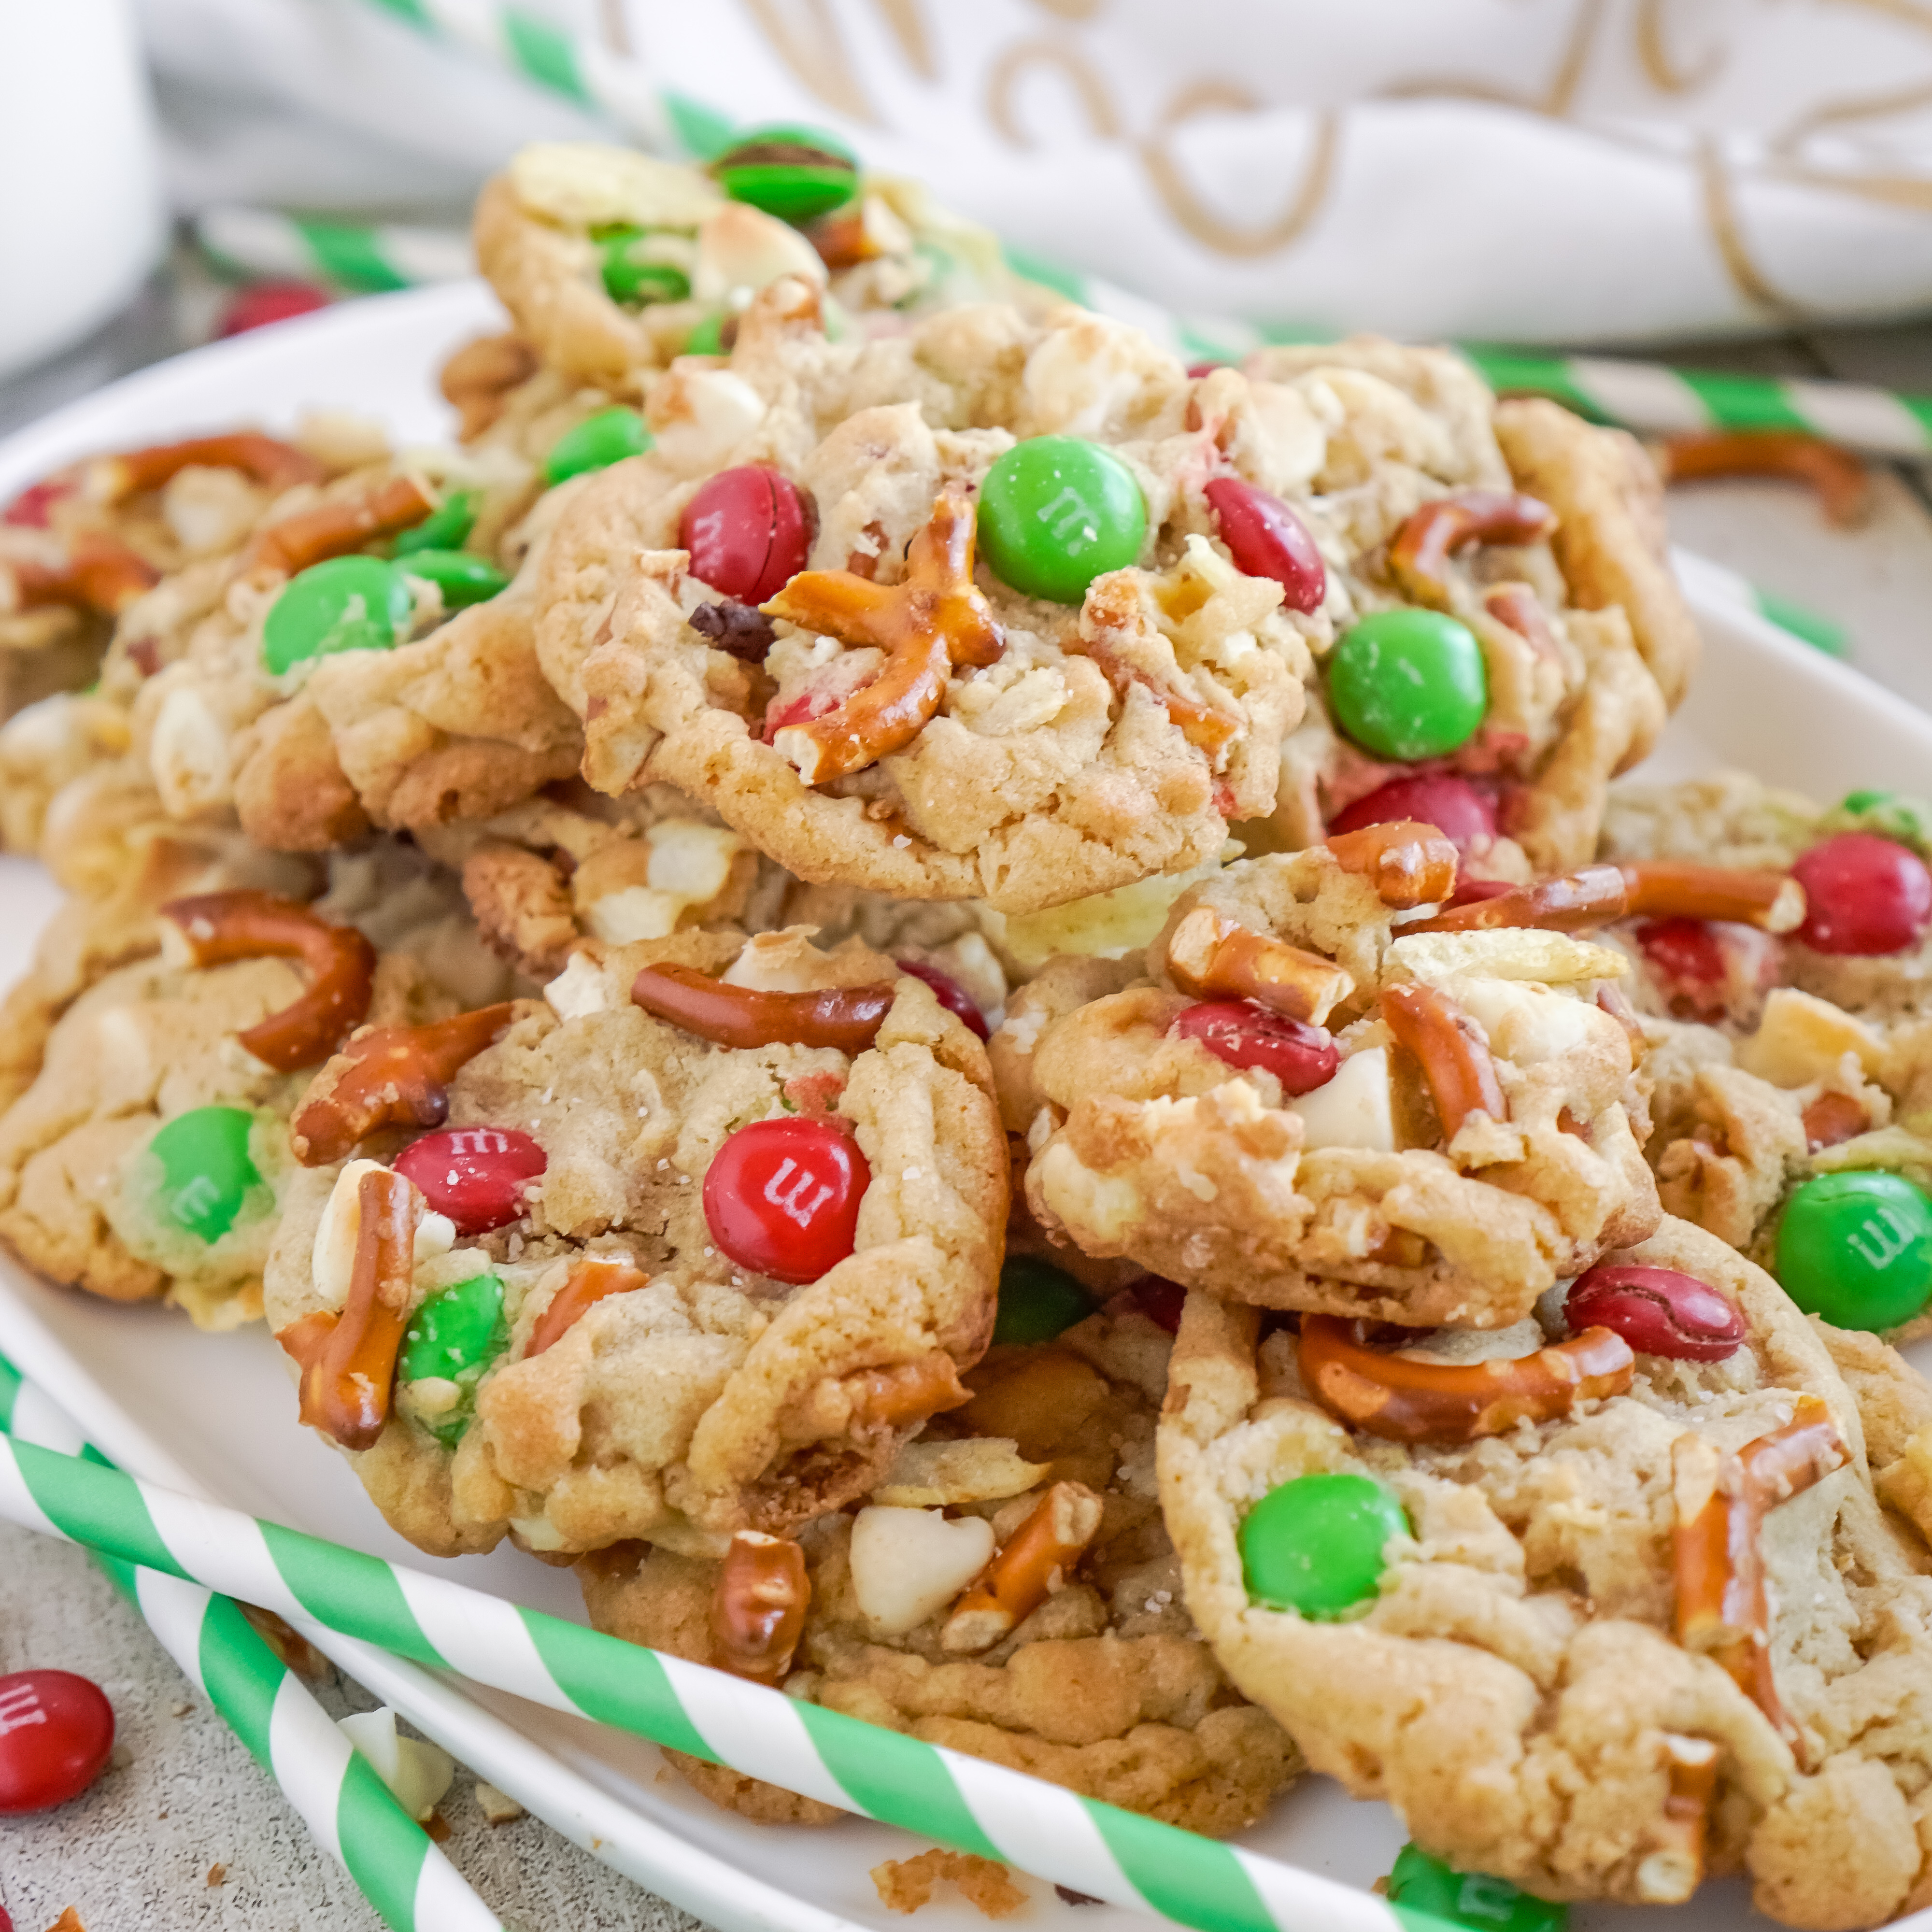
x: 56, y: 1731
x: 479, y: 1177
x: 781, y: 1197
x: 1863, y: 895
x: 748, y: 531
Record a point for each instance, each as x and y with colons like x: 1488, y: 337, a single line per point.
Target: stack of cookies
x: 968, y: 1012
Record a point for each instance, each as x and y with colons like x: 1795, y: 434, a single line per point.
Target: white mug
x: 81, y: 218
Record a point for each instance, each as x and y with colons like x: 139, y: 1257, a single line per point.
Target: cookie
x: 1097, y: 1680
x: 613, y: 263
x: 148, y: 1157
x: 1054, y: 748
x: 1555, y: 639
x: 665, y: 1286
x: 1292, y: 1103
x: 1596, y: 1620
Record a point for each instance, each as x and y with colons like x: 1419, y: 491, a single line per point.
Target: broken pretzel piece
x: 933, y: 620
x: 1209, y: 956
x: 275, y: 465
x: 1671, y: 889
x: 334, y: 529
x: 1037, y: 1559
x: 1404, y: 1400
x: 220, y: 927
x: 1457, y: 1065
x: 99, y: 573
x: 1408, y: 863
x: 1723, y: 1610
x: 389, y: 1076
x: 1841, y: 479
x: 1419, y: 555
x: 848, y: 1017
x: 758, y: 1606
x: 593, y: 1280
x: 1572, y: 901
x: 349, y: 1367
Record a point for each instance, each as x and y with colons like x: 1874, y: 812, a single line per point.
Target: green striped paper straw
x: 1703, y: 577
x: 963, y: 1801
x: 348, y: 1809
x: 362, y: 258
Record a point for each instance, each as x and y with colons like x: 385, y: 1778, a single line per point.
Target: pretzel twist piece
x: 1458, y: 1066
x: 220, y: 927
x: 593, y: 1280
x: 1671, y: 888
x: 848, y: 1017
x: 933, y: 620
x: 390, y: 1076
x: 758, y: 1606
x: 1843, y: 484
x: 1035, y: 1561
x: 1408, y: 863
x: 1404, y: 1400
x: 1418, y: 557
x: 280, y: 466
x: 1723, y: 1611
x: 100, y: 574
x: 333, y: 530
x: 350, y: 1367
x: 1675, y: 1867
x: 1515, y: 607
x: 1209, y: 956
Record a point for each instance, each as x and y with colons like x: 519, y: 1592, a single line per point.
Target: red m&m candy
x: 56, y: 1730
x: 748, y: 531
x: 1863, y: 895
x: 1302, y: 1058
x: 782, y: 1197
x: 261, y: 303
x: 477, y: 1176
x: 1463, y: 815
x: 31, y: 507
x: 1266, y: 538
x: 953, y: 996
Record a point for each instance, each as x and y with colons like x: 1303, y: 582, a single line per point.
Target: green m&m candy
x: 1857, y: 1248
x: 792, y: 173
x: 1890, y: 814
x: 1037, y: 1302
x: 346, y: 604
x: 1421, y: 1884
x: 462, y: 577
x: 1057, y: 511
x: 630, y: 274
x: 597, y: 442
x: 453, y: 1337
x: 1315, y: 1543
x: 446, y: 527
x: 206, y: 1172
x: 1409, y: 684
x: 708, y: 338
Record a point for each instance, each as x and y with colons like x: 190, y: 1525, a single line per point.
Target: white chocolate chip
x: 417, y: 1773
x: 588, y: 184
x: 700, y: 416
x: 579, y: 990
x: 740, y: 249
x: 1354, y: 1109
x: 907, y: 1564
x: 333, y: 1259
x: 187, y: 754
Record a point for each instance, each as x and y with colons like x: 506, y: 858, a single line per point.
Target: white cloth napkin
x: 1529, y: 170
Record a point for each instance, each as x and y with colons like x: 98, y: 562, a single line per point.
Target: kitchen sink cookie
x: 78, y: 548
x: 1864, y: 942
x: 614, y: 262
x: 896, y: 649
x: 1806, y: 1143
x: 1296, y: 1103
x: 1005, y: 1589
x: 148, y: 1155
x: 1509, y: 635
x: 1601, y: 1609
x: 693, y: 1244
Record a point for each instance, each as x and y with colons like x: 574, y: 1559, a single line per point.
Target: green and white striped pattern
x: 1039, y: 1828
x: 357, y: 257
x: 347, y: 1808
